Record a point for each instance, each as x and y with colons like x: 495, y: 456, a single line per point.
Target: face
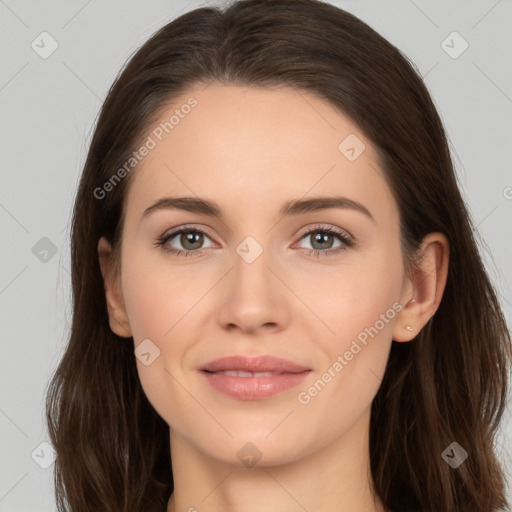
x: 319, y: 288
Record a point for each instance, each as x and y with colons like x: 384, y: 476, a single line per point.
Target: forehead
x: 259, y: 145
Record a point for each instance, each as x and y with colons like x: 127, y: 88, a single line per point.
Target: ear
x: 422, y: 293
x: 118, y: 317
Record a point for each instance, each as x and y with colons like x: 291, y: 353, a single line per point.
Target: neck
x: 335, y: 478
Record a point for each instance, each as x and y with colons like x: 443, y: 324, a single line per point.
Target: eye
x: 322, y: 237
x: 190, y: 238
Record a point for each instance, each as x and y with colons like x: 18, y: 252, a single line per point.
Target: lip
x: 284, y: 374
x: 254, y: 364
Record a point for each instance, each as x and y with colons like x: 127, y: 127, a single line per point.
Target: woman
x: 216, y: 362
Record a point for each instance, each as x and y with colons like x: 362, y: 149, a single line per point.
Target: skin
x: 251, y: 149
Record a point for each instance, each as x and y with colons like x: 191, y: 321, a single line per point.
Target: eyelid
x: 326, y: 227
x: 302, y: 232
x: 187, y: 227
x: 345, y: 238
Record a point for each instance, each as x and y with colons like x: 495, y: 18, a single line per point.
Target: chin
x: 257, y: 449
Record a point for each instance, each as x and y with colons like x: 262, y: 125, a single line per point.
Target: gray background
x: 47, y: 111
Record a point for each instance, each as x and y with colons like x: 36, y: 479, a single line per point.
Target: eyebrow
x: 289, y: 208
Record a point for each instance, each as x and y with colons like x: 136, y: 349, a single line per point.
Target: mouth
x: 241, y: 373
x: 254, y: 378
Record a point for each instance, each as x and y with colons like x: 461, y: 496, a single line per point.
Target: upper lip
x: 253, y: 364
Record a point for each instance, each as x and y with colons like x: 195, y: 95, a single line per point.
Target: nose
x: 253, y: 296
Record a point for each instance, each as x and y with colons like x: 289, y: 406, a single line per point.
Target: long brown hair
x: 448, y: 385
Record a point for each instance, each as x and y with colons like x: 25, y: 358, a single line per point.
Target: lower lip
x: 254, y: 388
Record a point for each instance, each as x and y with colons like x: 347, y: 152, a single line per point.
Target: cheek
x: 157, y: 296
x: 157, y: 310
x: 360, y: 308
x: 352, y: 296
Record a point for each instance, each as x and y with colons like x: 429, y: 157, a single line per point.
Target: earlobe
x: 424, y: 291
x: 118, y: 317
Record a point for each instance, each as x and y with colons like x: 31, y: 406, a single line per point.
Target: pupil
x: 189, y: 237
x: 321, y: 238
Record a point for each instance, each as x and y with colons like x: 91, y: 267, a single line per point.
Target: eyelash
x: 344, y: 239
